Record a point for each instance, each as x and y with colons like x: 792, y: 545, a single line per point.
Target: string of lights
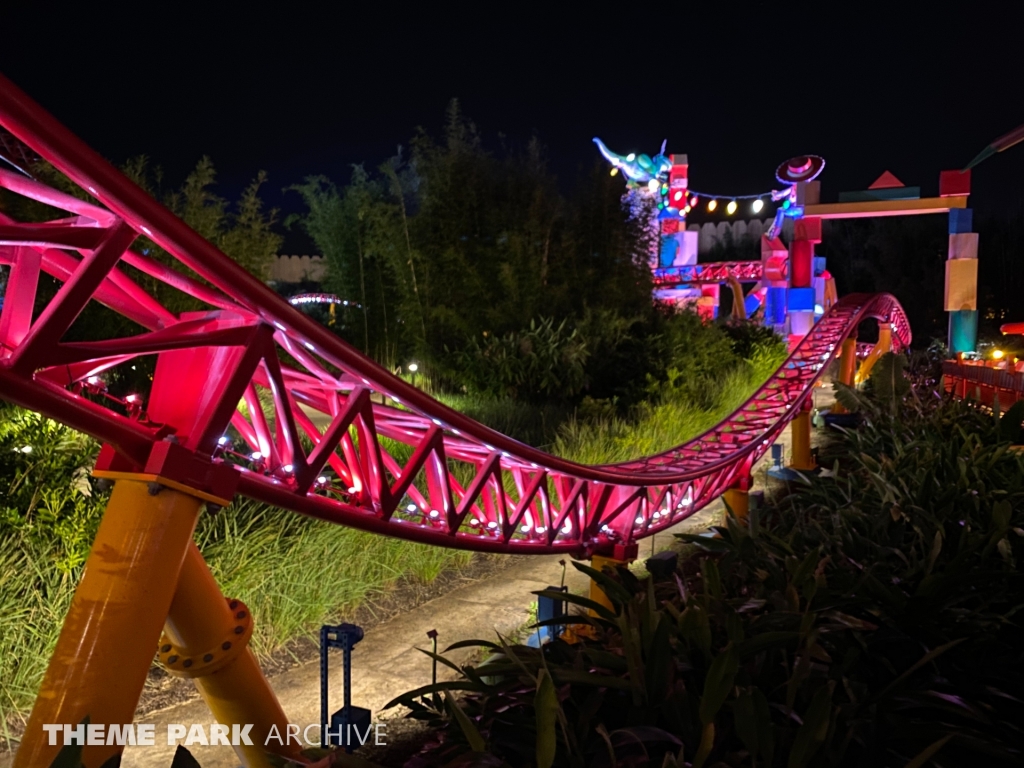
x: 691, y: 198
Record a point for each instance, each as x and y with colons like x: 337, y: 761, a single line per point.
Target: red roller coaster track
x: 717, y: 272
x: 462, y: 485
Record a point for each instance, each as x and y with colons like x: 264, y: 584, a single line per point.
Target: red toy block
x: 954, y: 183
x: 808, y: 229
x: 886, y: 181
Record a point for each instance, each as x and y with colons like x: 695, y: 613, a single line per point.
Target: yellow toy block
x: 961, y: 284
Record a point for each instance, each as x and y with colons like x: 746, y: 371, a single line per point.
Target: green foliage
x: 61, y: 513
x: 356, y: 229
x: 869, y: 617
x: 245, y: 234
x: 540, y: 362
x: 885, y: 390
x: 463, y: 242
x: 690, y: 400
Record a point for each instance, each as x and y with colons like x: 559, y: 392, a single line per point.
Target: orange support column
x: 883, y: 345
x: 600, y: 562
x: 622, y: 555
x: 107, y: 642
x: 800, y: 432
x: 847, y: 368
x: 738, y: 499
x: 206, y: 638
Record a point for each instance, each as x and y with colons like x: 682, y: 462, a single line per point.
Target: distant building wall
x: 712, y: 233
x: 295, y: 269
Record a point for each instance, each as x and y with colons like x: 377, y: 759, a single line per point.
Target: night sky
x: 740, y: 88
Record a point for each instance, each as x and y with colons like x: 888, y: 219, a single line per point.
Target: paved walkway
x: 385, y: 663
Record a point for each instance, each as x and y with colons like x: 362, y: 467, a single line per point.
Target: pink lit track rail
x: 458, y: 483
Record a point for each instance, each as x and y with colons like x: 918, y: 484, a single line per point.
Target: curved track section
x: 716, y: 272
x: 384, y: 456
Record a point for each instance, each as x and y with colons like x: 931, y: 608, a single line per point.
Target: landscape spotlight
x: 413, y: 367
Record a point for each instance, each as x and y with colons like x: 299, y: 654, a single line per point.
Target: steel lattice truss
x: 717, y: 272
x: 385, y: 457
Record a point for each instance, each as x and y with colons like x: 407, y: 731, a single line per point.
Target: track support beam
x: 800, y: 431
x: 883, y: 345
x: 107, y: 642
x: 206, y: 638
x: 737, y: 499
x: 847, y: 367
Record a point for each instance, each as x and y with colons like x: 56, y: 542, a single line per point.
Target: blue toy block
x: 819, y: 265
x: 751, y: 303
x: 669, y: 249
x: 775, y: 306
x: 961, y: 220
x: 800, y: 300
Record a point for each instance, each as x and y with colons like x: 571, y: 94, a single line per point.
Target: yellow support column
x: 800, y: 432
x: 883, y: 345
x: 206, y: 638
x: 599, y: 563
x: 111, y: 630
x: 738, y: 500
x: 847, y: 367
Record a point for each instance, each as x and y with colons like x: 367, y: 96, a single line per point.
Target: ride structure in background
x: 230, y: 411
x: 792, y: 286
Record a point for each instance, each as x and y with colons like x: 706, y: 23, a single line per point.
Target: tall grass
x: 295, y: 573
x: 668, y: 419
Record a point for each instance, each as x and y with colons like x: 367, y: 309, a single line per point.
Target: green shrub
x: 869, y: 617
x: 540, y: 362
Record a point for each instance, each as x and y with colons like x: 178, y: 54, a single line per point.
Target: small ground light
x: 26, y: 449
x: 997, y: 354
x: 322, y: 479
x: 256, y: 456
x: 413, y: 367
